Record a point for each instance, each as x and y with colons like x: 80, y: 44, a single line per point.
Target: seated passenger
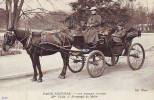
x: 92, y: 30
x: 119, y: 34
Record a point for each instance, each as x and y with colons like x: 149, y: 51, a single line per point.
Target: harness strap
x: 28, y: 41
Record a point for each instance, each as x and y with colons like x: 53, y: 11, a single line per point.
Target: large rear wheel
x: 136, y: 56
x: 95, y: 63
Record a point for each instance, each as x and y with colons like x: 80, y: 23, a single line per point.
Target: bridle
x: 28, y: 37
x: 13, y: 34
x: 10, y: 36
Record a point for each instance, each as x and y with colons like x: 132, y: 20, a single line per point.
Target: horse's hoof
x: 34, y: 79
x: 39, y: 80
x: 61, y: 77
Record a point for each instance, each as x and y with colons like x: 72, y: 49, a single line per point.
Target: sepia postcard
x: 76, y: 49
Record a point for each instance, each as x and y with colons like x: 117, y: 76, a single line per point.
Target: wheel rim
x: 136, y: 57
x: 96, y: 65
x: 76, y: 63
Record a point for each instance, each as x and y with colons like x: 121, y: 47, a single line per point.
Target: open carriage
x: 93, y: 56
x: 105, y: 53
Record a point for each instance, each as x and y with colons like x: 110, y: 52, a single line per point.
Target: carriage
x: 99, y: 56
x: 96, y: 57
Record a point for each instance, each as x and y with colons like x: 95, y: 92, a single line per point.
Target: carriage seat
x: 37, y: 34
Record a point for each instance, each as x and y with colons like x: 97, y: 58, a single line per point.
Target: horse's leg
x: 65, y: 58
x: 34, y: 67
x: 39, y: 68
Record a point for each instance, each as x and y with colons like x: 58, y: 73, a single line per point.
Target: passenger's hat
x: 93, y: 8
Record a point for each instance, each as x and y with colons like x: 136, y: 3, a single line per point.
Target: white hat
x: 93, y: 8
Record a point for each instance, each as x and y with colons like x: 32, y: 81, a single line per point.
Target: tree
x: 111, y: 11
x: 2, y: 18
x: 13, y: 9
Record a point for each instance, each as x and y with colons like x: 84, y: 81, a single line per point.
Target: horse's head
x: 9, y: 39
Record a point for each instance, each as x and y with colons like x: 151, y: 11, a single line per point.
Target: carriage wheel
x: 95, y: 64
x: 76, y: 63
x: 109, y: 60
x: 136, y: 56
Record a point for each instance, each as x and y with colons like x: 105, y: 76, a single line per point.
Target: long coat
x: 91, y: 33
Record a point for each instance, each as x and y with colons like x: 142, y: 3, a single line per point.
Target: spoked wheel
x: 111, y: 61
x: 76, y: 63
x: 136, y: 56
x: 95, y: 63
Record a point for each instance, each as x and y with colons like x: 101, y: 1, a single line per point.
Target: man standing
x: 91, y: 33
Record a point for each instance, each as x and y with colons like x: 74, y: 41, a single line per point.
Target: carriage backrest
x: 132, y: 33
x: 36, y: 34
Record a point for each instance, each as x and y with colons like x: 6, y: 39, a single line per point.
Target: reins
x: 27, y: 36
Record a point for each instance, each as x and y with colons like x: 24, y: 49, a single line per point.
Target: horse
x: 61, y: 43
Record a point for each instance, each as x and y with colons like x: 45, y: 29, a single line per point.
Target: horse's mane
x: 22, y: 32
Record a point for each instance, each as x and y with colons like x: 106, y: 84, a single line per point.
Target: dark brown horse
x: 58, y: 42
